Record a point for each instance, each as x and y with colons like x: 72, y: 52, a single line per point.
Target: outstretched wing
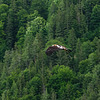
x: 54, y: 48
x: 51, y: 49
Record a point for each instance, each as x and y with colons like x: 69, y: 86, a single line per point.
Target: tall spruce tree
x: 10, y: 37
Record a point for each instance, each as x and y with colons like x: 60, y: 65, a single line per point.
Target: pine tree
x: 22, y: 18
x: 45, y: 95
x: 7, y: 62
x: 3, y: 12
x: 5, y: 95
x: 14, y: 90
x: 78, y: 54
x: 2, y: 41
x: 81, y: 28
x: 95, y: 17
x: 53, y: 95
x: 40, y: 6
x: 72, y: 39
x: 20, y: 37
x: 10, y: 37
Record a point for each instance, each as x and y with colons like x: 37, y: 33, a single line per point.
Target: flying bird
x: 54, y: 48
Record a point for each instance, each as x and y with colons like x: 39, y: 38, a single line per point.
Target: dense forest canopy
x: 28, y: 28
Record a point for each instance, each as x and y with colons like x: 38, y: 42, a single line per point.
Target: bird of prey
x: 54, y: 48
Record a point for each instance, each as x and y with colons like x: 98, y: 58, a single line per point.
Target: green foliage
x: 5, y: 95
x: 20, y: 37
x: 27, y: 97
x: 86, y: 49
x: 28, y: 28
x: 61, y: 75
x: 72, y: 39
x: 3, y: 12
x: 10, y: 31
x: 33, y: 16
x: 40, y: 6
x: 95, y: 17
x: 83, y: 66
x: 78, y: 54
x: 38, y: 24
x: 93, y: 87
x: 14, y: 90
x: 45, y: 95
x: 22, y: 17
x: 2, y: 41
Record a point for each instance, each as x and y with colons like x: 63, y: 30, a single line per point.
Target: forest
x: 28, y: 28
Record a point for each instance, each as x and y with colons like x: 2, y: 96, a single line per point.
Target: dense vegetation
x: 28, y: 28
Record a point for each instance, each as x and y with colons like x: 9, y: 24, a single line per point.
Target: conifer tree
x: 5, y: 95
x: 10, y: 37
x: 2, y: 41
x: 95, y: 17
x: 22, y: 18
x: 14, y: 90
x: 28, y: 28
x: 45, y: 95
x: 40, y: 6
x: 3, y: 12
x: 20, y: 37
x: 72, y: 39
x: 78, y: 54
x: 53, y: 95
